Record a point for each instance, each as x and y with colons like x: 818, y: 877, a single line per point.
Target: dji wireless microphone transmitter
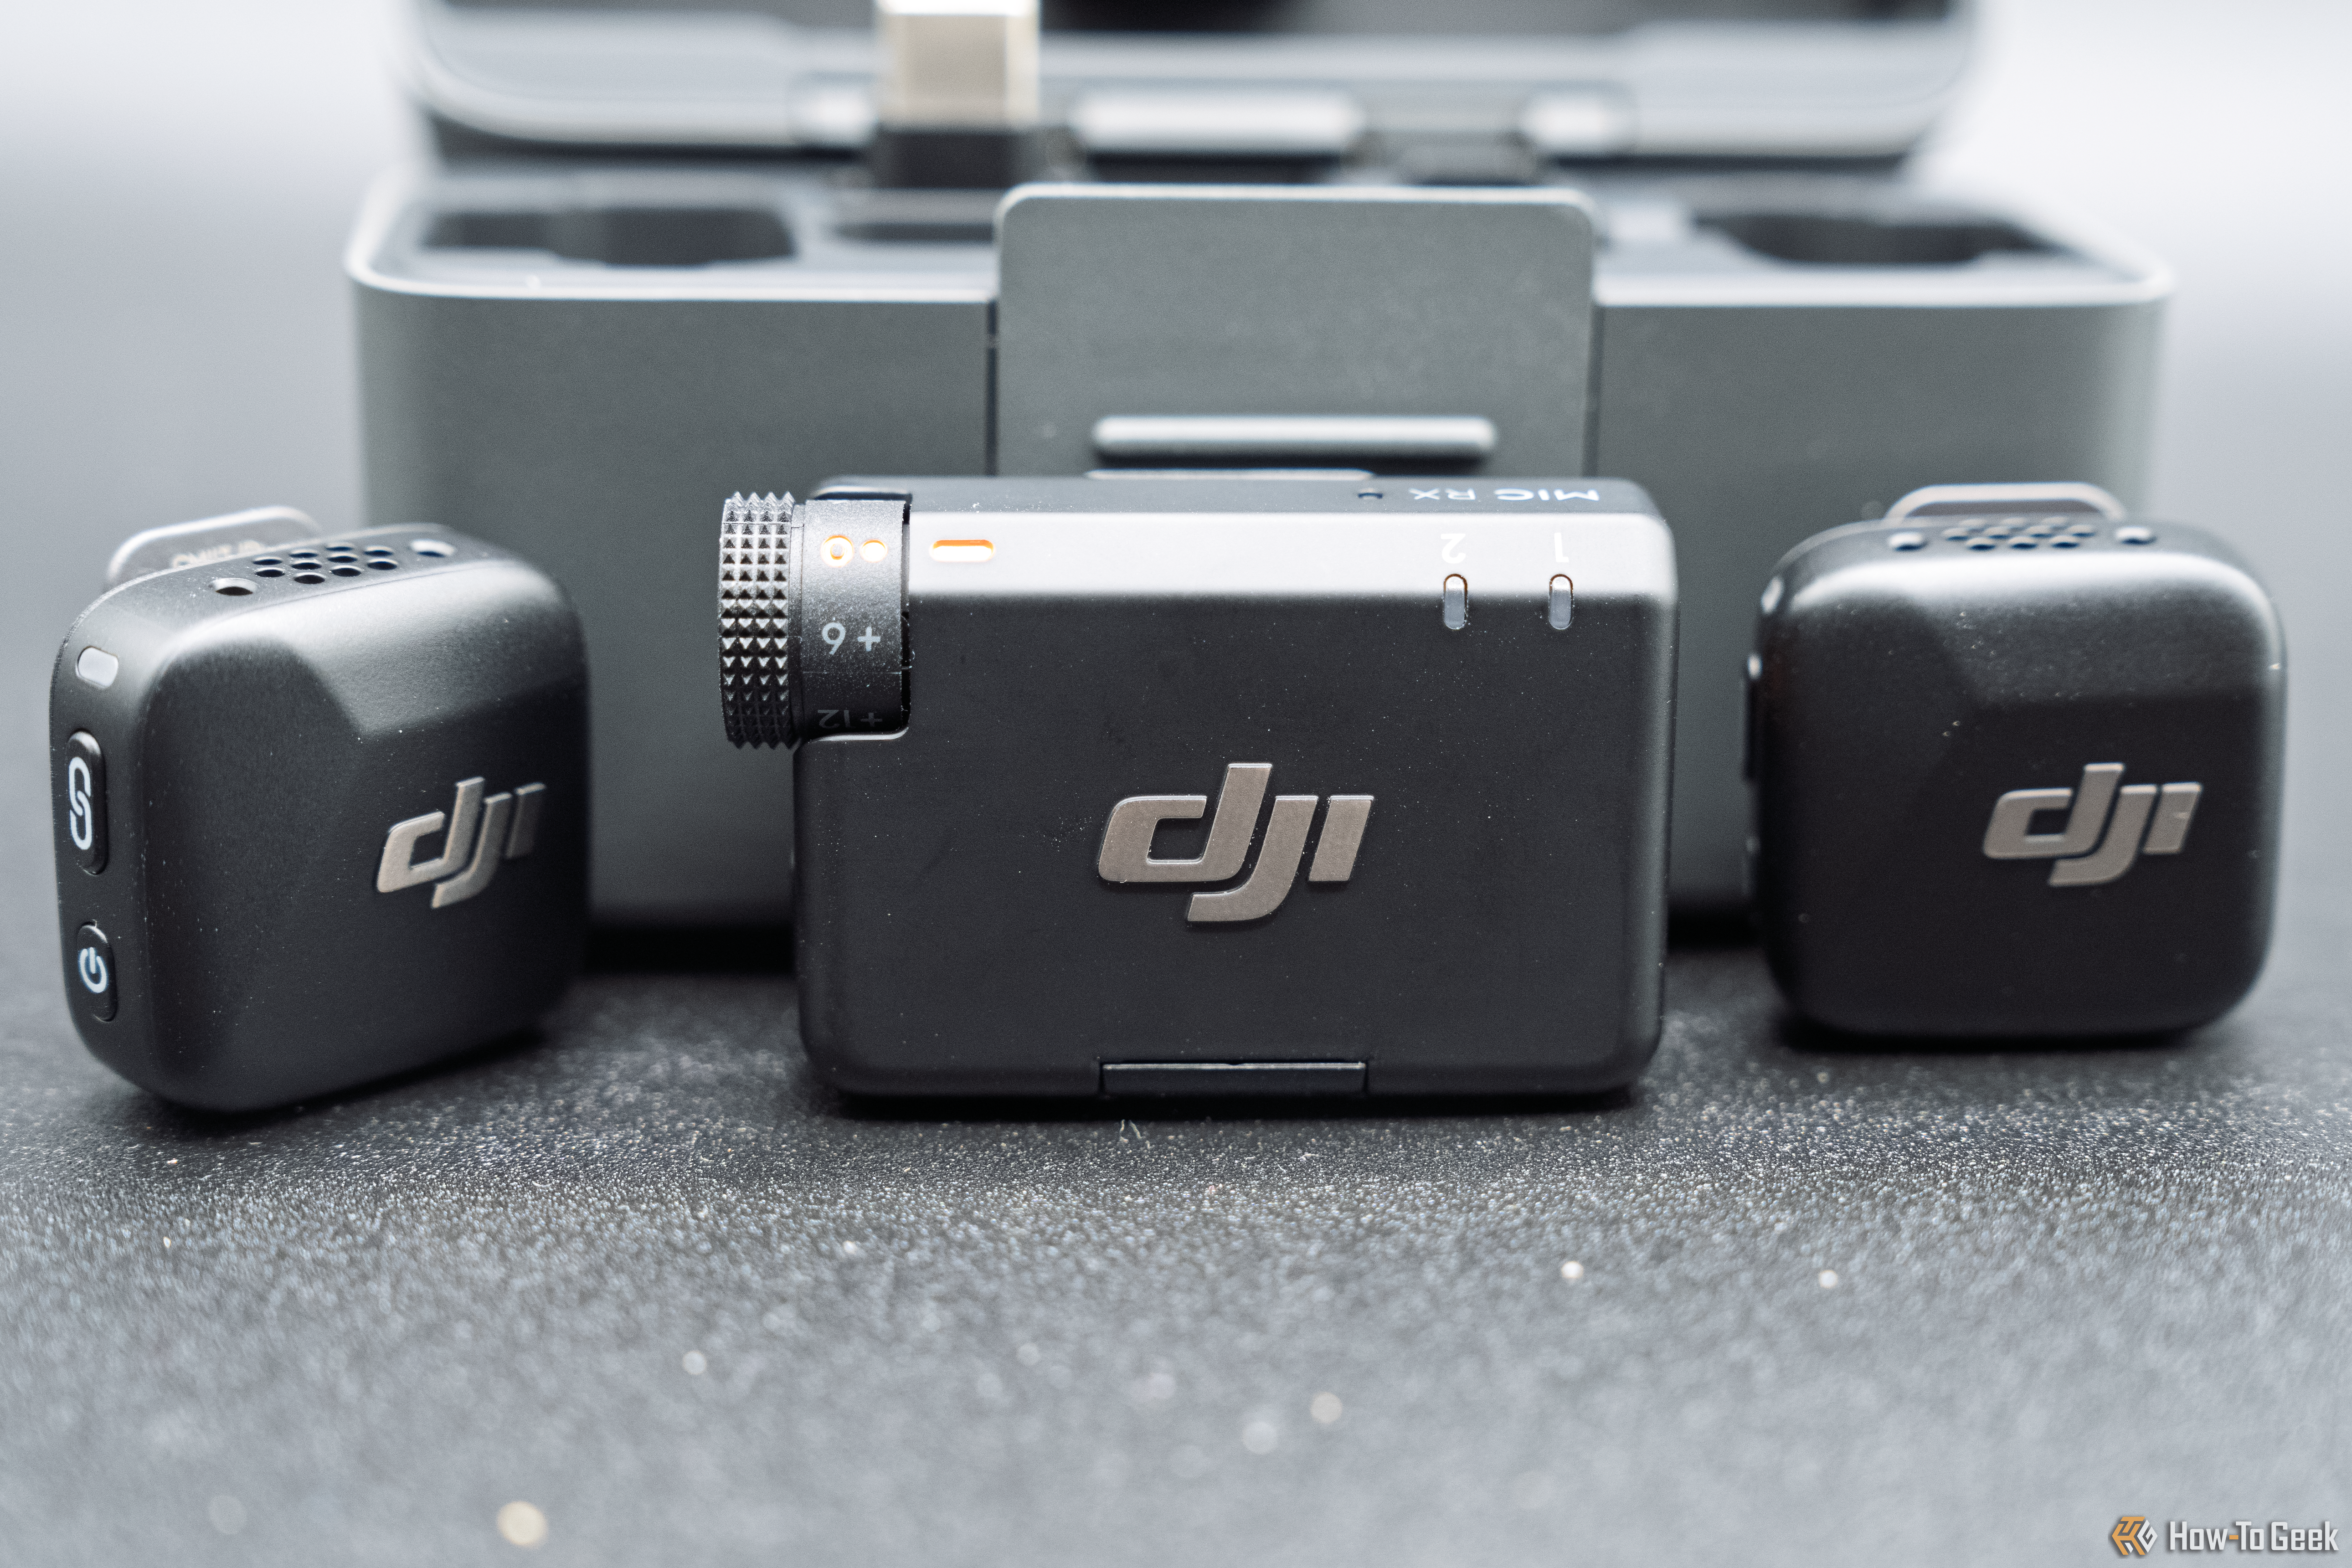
x: 2017, y: 768
x: 320, y: 807
x: 1166, y: 785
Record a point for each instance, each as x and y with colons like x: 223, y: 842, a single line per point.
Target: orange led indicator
x: 962, y: 550
x: 836, y: 551
x: 875, y: 549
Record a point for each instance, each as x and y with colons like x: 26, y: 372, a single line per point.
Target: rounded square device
x: 2017, y: 772
x: 321, y: 809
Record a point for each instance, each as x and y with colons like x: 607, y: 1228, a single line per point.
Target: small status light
x: 873, y: 550
x: 836, y: 551
x: 97, y: 666
x: 523, y: 1525
x: 967, y: 550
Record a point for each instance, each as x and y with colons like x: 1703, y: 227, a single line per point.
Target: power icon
x: 93, y: 968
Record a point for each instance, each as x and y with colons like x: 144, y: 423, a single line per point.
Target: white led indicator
x: 97, y: 666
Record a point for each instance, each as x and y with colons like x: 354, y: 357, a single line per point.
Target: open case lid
x: 1298, y: 79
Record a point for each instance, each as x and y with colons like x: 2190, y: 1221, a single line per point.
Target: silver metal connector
x: 957, y: 64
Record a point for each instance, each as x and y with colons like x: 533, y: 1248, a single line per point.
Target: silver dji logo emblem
x: 2144, y: 821
x: 482, y: 833
x: 1126, y: 843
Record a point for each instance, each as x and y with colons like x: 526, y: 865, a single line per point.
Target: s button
x: 92, y: 983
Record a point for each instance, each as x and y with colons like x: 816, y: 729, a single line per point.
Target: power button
x: 85, y: 800
x: 92, y: 982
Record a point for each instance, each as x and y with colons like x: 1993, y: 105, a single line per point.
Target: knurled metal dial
x: 755, y: 568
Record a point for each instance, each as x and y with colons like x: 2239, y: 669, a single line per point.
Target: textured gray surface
x: 2070, y: 1284
x: 2067, y: 1285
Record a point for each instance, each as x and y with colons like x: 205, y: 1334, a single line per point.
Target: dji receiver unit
x: 1198, y: 785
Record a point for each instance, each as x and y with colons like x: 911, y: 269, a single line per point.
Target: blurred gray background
x: 646, y: 1278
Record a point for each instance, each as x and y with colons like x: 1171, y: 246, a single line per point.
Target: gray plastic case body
x: 592, y: 415
x: 1785, y: 79
x: 1502, y: 929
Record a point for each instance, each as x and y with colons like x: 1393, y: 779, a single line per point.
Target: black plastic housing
x: 1076, y: 643
x: 1909, y: 676
x: 261, y: 736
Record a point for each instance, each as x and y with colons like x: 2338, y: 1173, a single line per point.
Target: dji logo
x: 482, y: 833
x: 1126, y: 843
x: 2146, y: 821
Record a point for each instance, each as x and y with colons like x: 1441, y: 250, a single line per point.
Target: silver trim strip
x: 1368, y: 437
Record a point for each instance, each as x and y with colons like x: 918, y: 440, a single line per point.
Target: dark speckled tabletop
x: 1787, y: 1300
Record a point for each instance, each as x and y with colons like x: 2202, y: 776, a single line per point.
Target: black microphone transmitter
x: 2017, y: 764
x: 320, y: 804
